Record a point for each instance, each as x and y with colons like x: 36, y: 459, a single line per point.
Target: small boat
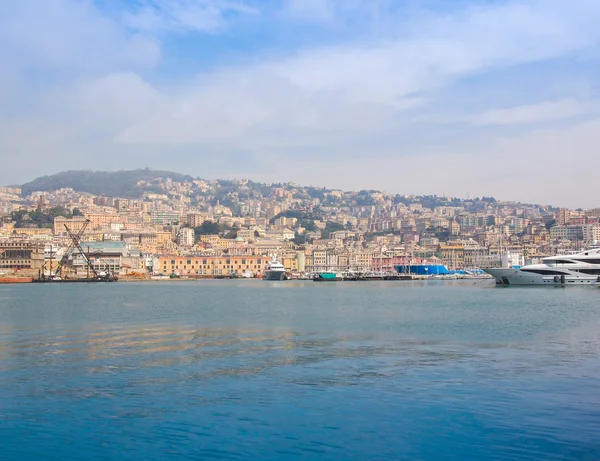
x: 328, y: 276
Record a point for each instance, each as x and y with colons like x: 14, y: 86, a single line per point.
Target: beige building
x: 32, y: 231
x: 319, y: 260
x: 453, y: 256
x: 281, y: 234
x: 360, y: 261
x: 211, y: 239
x: 186, y: 236
x: 75, y: 224
x: 98, y: 220
x: 195, y: 219
x: 21, y: 254
x: 211, y: 265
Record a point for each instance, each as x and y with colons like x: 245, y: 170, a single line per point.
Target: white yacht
x: 275, y: 271
x: 576, y: 269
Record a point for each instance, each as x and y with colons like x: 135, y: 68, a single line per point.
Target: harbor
x: 346, y: 366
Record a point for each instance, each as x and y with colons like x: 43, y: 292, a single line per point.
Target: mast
x: 51, y: 260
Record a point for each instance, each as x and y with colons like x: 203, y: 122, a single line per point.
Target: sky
x: 450, y: 97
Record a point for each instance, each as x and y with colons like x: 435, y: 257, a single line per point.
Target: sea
x: 257, y: 370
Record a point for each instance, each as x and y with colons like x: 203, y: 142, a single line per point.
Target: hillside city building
x: 209, y: 228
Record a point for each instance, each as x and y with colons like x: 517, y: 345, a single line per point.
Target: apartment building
x: 74, y: 224
x: 211, y: 265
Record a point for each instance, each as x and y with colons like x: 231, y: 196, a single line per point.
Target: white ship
x: 275, y: 271
x: 576, y: 269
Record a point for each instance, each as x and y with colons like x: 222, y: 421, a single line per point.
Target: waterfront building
x: 211, y: 264
x: 21, y: 254
x: 591, y: 232
x: 453, y: 256
x: 474, y: 256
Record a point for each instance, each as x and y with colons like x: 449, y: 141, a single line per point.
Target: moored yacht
x: 275, y: 271
x: 581, y: 268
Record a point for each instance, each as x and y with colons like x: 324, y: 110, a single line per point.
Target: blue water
x: 299, y: 370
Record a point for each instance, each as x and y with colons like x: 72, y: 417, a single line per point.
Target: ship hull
x: 275, y: 275
x: 512, y: 276
x: 16, y: 279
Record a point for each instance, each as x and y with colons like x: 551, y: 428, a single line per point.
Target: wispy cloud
x: 310, y: 9
x: 184, y: 15
x: 535, y: 113
x: 70, y: 36
x: 356, y: 88
x: 86, y: 87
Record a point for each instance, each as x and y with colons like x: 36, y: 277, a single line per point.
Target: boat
x: 4, y: 279
x: 275, y: 271
x: 581, y: 268
x: 328, y: 276
x: 108, y: 278
x: 422, y: 269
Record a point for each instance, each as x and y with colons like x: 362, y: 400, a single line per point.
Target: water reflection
x: 205, y: 353
x: 355, y: 373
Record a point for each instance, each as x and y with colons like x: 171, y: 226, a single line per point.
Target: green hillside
x: 107, y: 183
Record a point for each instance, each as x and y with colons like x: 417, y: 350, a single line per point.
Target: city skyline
x: 162, y: 222
x: 171, y: 174
x: 471, y: 99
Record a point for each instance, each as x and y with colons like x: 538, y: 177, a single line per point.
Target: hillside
x: 107, y: 183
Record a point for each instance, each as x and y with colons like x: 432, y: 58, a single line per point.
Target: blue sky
x: 477, y: 97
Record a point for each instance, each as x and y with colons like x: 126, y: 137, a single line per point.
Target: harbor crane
x: 75, y: 239
x: 92, y: 273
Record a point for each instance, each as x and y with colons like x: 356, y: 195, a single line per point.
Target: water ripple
x: 430, y: 374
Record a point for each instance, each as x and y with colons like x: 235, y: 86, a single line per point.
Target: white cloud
x: 310, y: 9
x: 183, y: 15
x: 343, y: 90
x: 535, y: 113
x: 557, y: 166
x: 354, y: 14
x: 362, y: 102
x: 68, y: 36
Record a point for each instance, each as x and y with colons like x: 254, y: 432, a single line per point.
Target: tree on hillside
x: 107, y: 183
x: 207, y: 228
x: 39, y: 218
x: 331, y: 227
x: 232, y: 234
x: 309, y: 225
